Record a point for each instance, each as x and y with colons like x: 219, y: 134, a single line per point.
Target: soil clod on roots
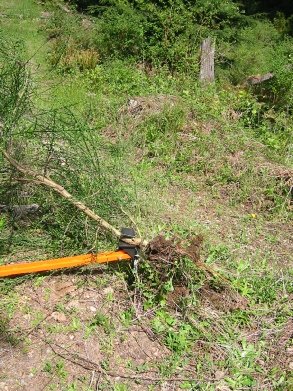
x: 163, y: 250
x: 167, y: 256
x: 179, y: 260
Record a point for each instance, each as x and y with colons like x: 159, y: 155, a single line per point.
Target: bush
x: 159, y: 33
x: 251, y: 54
x: 120, y: 32
x: 65, y: 56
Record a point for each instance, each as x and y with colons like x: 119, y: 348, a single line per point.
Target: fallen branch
x: 44, y: 180
x: 257, y: 79
x: 65, y: 9
x: 19, y: 210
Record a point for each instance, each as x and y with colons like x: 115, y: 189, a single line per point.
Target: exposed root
x: 166, y: 253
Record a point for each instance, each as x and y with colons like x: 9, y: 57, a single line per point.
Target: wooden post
x: 207, y: 74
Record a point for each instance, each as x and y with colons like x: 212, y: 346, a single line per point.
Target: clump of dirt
x: 166, y: 255
x: 163, y: 250
x: 167, y: 260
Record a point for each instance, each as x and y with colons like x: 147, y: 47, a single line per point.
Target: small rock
x: 93, y: 309
x: 3, y: 387
x: 108, y: 290
x: 86, y: 23
x: 45, y: 15
x: 71, y: 337
x: 291, y: 365
x: 290, y: 351
x: 64, y: 287
x: 223, y: 388
x: 219, y: 375
x: 166, y: 387
x: 72, y: 304
x: 59, y: 316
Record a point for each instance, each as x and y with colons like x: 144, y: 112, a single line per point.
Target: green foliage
x: 72, y: 45
x: 120, y: 31
x: 5, y: 332
x: 281, y: 85
x: 160, y: 33
x: 282, y: 24
x: 101, y: 319
x: 178, y: 338
x: 2, y: 223
x: 158, y: 135
x: 251, y: 53
x: 55, y: 369
x: 14, y: 87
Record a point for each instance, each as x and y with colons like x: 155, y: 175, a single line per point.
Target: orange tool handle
x: 61, y: 263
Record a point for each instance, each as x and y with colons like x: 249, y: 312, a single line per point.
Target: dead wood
x: 207, y: 61
x: 19, y: 210
x: 65, y: 9
x: 257, y: 79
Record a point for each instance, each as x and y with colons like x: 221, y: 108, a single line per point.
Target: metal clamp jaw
x: 130, y: 249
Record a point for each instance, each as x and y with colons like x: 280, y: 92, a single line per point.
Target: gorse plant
x: 15, y: 88
x: 58, y: 143
x: 119, y: 31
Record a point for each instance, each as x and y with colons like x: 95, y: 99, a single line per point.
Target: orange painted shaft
x: 61, y: 263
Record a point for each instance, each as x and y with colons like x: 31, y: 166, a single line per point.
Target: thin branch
x: 92, y: 379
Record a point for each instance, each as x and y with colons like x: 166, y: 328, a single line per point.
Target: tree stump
x: 207, y: 73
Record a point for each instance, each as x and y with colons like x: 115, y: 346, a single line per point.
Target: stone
x: 59, y: 316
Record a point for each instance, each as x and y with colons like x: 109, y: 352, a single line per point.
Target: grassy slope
x: 240, y: 342
x: 19, y: 21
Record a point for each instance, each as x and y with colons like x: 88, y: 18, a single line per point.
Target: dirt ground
x: 70, y: 331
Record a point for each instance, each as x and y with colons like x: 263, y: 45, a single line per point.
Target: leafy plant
x: 5, y: 333
x: 102, y: 320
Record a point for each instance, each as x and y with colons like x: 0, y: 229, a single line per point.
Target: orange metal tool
x: 61, y: 263
x: 125, y: 252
